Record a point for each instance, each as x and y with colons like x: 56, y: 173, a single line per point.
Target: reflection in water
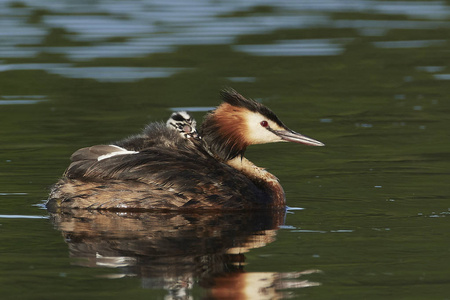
x: 174, y: 251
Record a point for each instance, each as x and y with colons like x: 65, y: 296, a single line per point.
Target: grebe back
x: 161, y: 169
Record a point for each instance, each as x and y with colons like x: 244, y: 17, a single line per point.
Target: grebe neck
x: 261, y: 178
x: 223, y: 133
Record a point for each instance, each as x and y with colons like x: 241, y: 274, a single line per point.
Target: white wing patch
x: 120, y: 151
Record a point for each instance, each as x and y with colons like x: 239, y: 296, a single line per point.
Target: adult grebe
x: 163, y: 170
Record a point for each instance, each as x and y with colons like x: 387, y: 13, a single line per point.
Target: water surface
x: 370, y: 79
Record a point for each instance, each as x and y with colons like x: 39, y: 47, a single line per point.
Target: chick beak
x: 292, y: 136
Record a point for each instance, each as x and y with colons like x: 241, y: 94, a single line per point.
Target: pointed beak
x: 292, y: 136
x: 195, y: 135
x: 190, y: 131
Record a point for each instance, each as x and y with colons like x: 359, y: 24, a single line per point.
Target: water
x: 370, y: 211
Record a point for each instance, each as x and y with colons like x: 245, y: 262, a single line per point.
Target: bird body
x: 171, y: 167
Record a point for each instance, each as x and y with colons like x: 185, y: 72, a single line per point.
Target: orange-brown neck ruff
x: 224, y: 131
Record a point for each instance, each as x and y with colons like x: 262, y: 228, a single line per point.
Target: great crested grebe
x: 162, y: 169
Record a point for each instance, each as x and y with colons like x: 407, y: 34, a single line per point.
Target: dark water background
x: 370, y: 79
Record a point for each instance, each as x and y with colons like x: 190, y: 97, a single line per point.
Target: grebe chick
x: 184, y: 123
x: 159, y: 134
x: 154, y: 134
x: 165, y: 171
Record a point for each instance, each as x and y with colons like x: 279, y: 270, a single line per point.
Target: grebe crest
x: 183, y: 123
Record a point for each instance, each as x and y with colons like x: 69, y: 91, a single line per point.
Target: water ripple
x: 442, y: 76
x: 315, y: 47
x: 161, y: 26
x: 22, y: 217
x: 18, y: 100
x: 409, y: 44
x: 115, y: 74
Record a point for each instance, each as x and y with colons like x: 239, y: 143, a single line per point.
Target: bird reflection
x: 175, y: 251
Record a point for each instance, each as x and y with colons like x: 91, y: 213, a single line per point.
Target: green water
x: 370, y: 80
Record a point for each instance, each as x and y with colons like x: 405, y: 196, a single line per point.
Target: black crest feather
x: 232, y: 97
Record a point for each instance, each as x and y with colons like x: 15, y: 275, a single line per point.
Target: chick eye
x: 264, y: 124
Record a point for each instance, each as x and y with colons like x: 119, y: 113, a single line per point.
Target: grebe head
x: 184, y: 123
x: 240, y: 122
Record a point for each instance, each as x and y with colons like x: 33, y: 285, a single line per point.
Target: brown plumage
x: 159, y: 169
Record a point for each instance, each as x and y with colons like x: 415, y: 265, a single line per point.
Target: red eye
x: 264, y: 123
